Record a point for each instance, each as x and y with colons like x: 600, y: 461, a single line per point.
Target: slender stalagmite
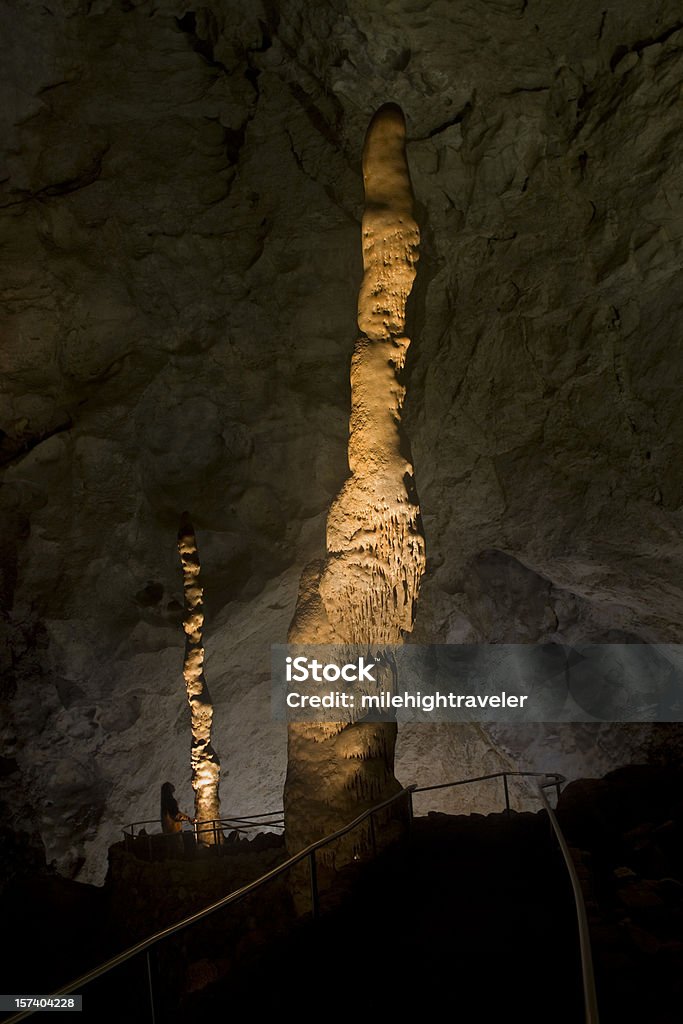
x: 364, y: 591
x: 205, y: 764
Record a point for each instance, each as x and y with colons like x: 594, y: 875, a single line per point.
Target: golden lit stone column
x: 364, y: 592
x: 205, y: 764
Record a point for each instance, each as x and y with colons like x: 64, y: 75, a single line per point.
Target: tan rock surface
x: 179, y: 228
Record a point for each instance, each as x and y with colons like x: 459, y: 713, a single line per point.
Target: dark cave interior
x: 189, y: 228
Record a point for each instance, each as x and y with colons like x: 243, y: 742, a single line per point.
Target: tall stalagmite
x: 364, y: 592
x: 205, y: 764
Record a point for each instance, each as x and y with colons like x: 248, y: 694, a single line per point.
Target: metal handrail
x: 253, y: 819
x: 233, y: 897
x: 200, y: 830
x: 590, y: 998
x: 555, y: 777
x: 250, y: 822
x: 554, y: 780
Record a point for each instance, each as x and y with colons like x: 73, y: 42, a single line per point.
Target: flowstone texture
x: 367, y: 588
x: 181, y: 200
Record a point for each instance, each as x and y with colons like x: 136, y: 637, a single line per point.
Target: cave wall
x: 179, y: 246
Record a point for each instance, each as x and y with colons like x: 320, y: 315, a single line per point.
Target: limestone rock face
x: 180, y: 221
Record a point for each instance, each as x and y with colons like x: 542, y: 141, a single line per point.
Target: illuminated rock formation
x: 205, y: 764
x: 364, y: 592
x: 178, y: 246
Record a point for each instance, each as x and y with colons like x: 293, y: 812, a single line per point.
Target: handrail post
x: 372, y: 835
x: 315, y: 908
x: 410, y: 811
x: 507, y: 794
x: 151, y: 987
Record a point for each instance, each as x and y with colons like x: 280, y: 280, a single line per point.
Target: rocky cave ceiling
x: 180, y: 249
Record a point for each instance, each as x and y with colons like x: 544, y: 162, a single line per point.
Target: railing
x: 309, y: 852
x: 553, y: 780
x: 590, y: 999
x: 209, y: 832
